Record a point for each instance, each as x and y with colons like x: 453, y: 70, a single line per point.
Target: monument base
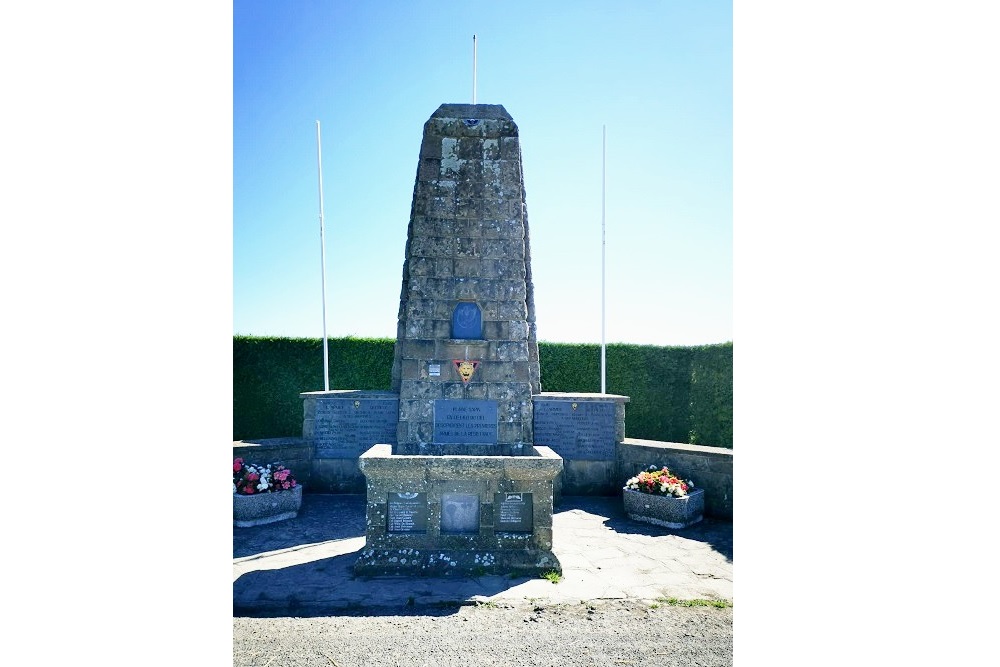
x: 434, y: 515
x: 455, y: 562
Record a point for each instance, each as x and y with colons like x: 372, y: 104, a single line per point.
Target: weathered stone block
x: 466, y: 247
x: 509, y: 411
x: 510, y: 432
x: 470, y: 148
x: 454, y: 390
x: 497, y: 330
x: 420, y: 328
x: 516, y: 330
x: 510, y: 148
x: 414, y: 348
x: 441, y: 205
x: 511, y: 290
x: 430, y: 147
x: 420, y: 308
x: 468, y: 266
x: 421, y: 266
x: 476, y: 390
x: 491, y: 149
x: 442, y: 288
x: 444, y: 267
x: 511, y: 310
x: 512, y: 351
x: 430, y: 169
x: 415, y: 389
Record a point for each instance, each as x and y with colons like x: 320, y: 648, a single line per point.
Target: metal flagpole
x: 322, y: 249
x: 604, y: 153
x: 473, y: 69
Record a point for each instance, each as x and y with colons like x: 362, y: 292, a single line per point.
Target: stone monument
x: 464, y: 488
x: 462, y: 459
x: 466, y: 357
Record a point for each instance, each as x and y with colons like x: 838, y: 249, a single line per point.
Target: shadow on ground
x: 717, y: 533
x: 297, y: 576
x: 327, y: 585
x: 323, y: 517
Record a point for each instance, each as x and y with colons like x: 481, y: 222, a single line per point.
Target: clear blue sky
x: 657, y: 74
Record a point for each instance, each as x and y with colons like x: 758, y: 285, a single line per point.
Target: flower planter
x: 261, y: 508
x: 667, y: 511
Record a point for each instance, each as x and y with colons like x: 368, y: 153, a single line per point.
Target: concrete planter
x: 262, y: 508
x: 666, y: 511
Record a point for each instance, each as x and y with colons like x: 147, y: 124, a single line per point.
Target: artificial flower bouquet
x: 660, y: 482
x: 251, y: 478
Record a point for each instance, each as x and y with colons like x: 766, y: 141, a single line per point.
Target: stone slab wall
x: 711, y: 468
x: 585, y: 430
x: 340, y: 425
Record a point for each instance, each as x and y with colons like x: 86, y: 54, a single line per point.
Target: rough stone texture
x: 711, y: 468
x: 263, y: 508
x: 432, y: 552
x: 467, y: 240
x: 666, y: 511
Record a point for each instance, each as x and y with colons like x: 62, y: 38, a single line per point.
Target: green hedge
x: 678, y: 394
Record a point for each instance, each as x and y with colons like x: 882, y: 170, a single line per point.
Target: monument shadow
x: 716, y: 533
x: 328, y: 586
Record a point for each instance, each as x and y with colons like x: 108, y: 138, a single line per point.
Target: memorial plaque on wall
x: 465, y: 421
x: 459, y: 513
x: 512, y: 513
x: 580, y: 430
x: 406, y: 513
x: 347, y: 428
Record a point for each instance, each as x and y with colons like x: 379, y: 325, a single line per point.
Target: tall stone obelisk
x: 466, y: 356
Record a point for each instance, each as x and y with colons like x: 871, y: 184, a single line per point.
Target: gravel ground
x: 532, y: 634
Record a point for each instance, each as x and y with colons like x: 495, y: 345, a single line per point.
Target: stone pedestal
x: 439, y: 515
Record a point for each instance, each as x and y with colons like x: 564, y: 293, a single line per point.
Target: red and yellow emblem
x: 466, y: 368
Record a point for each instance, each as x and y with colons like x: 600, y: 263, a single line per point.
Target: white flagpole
x: 473, y: 69
x: 604, y: 160
x: 322, y: 249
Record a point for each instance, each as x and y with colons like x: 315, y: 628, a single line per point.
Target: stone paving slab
x: 303, y: 566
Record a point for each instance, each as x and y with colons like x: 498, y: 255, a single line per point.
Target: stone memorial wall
x: 340, y: 425
x: 586, y: 430
x: 580, y: 430
x: 348, y: 428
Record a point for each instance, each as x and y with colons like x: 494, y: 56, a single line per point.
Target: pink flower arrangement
x: 249, y: 478
x: 660, y: 482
